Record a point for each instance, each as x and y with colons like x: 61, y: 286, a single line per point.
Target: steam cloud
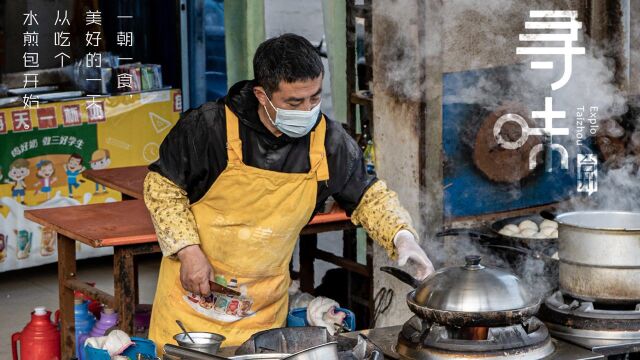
x: 495, y: 36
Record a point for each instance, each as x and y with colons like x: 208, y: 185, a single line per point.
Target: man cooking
x: 236, y: 181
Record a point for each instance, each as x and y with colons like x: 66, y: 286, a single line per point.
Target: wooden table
x: 124, y: 225
x: 127, y: 180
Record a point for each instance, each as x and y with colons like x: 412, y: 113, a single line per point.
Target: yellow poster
x: 44, y: 150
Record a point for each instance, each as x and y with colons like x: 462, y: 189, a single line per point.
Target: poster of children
x: 100, y: 159
x: 45, y: 174
x: 41, y: 166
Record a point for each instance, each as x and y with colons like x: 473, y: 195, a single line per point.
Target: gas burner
x: 564, y: 310
x: 604, y: 328
x: 420, y: 339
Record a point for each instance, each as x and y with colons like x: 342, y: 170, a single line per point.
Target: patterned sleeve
x: 169, y: 207
x: 382, y: 216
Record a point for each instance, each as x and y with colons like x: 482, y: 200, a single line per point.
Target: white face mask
x: 294, y: 123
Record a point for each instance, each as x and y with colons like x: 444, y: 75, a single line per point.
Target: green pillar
x: 244, y: 31
x: 335, y: 30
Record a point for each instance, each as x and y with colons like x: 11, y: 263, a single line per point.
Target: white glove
x: 408, y: 248
x: 322, y: 312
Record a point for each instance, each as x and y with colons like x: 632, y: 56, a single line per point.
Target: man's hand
x: 408, y: 249
x: 195, y: 270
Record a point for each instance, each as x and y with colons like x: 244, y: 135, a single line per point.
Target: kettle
x: 39, y: 340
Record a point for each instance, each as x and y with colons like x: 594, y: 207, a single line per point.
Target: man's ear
x: 260, y: 94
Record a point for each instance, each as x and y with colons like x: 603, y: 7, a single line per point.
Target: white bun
x: 549, y: 224
x: 547, y: 231
x: 512, y: 227
x: 506, y: 232
x: 528, y: 224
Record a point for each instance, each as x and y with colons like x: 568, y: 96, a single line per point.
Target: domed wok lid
x: 472, y: 294
x: 473, y: 288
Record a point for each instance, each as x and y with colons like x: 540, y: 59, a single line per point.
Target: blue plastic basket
x: 298, y: 317
x: 95, y: 354
x: 140, y: 346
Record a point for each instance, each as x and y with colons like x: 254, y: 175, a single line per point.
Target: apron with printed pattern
x: 248, y: 223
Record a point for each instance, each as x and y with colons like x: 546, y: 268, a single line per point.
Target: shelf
x: 362, y: 97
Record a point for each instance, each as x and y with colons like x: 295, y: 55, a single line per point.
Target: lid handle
x: 472, y: 262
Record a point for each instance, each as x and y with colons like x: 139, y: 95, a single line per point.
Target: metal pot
x: 599, y: 255
x: 469, y: 295
x: 178, y: 352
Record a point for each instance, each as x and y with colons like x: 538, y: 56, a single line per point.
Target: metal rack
x: 359, y: 125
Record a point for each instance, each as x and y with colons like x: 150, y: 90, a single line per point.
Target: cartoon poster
x: 44, y: 150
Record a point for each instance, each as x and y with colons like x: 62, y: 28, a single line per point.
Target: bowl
x: 203, y: 341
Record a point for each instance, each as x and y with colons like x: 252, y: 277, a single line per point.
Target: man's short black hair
x: 288, y: 58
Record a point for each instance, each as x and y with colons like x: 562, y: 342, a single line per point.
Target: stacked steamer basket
x: 598, y: 304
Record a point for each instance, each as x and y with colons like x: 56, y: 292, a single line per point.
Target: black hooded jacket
x: 194, y: 152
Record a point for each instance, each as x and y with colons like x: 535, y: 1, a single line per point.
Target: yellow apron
x: 248, y: 222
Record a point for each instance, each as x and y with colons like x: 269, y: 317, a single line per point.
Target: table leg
x: 349, y: 252
x: 136, y: 287
x: 294, y: 275
x: 308, y: 245
x: 66, y: 271
x: 369, y: 254
x: 124, y: 286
